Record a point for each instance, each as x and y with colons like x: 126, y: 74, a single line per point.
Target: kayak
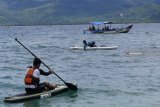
x: 94, y: 48
x: 23, y: 97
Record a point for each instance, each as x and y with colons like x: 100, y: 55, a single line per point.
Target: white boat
x: 94, y: 48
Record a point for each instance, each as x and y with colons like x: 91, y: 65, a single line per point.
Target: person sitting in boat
x: 92, y: 44
x: 89, y: 44
x: 93, y: 28
x: 90, y: 28
x: 32, y: 80
x: 103, y: 29
x: 107, y: 28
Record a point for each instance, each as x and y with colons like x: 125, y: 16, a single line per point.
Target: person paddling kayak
x: 89, y: 44
x: 32, y: 80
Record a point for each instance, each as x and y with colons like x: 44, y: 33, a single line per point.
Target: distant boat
x: 108, y: 29
x: 134, y: 53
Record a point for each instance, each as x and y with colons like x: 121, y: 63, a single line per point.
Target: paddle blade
x: 71, y: 86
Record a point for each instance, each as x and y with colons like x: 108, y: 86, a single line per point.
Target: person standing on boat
x: 32, y: 78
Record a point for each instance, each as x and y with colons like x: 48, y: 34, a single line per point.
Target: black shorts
x: 38, y: 89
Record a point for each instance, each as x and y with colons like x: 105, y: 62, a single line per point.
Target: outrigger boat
x: 108, y: 29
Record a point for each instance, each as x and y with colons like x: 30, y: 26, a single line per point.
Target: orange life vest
x: 29, y: 77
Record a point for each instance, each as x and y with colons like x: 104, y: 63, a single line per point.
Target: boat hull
x: 125, y: 30
x: 115, y: 31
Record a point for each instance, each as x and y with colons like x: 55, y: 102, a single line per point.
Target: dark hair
x: 37, y: 61
x: 84, y: 41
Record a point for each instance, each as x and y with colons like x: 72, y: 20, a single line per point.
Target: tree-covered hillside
x: 37, y: 12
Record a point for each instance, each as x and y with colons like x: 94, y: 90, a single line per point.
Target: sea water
x: 105, y: 78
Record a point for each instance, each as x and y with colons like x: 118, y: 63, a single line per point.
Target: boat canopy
x: 96, y: 23
x: 99, y: 23
x: 108, y: 22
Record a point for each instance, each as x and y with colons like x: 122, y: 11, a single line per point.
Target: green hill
x: 42, y: 12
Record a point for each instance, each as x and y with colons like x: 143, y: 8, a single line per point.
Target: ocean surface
x: 126, y: 77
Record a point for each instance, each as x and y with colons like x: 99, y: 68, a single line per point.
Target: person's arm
x: 45, y: 73
x: 84, y: 47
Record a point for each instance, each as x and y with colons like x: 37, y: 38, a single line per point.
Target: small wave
x: 6, y: 77
x: 114, y: 55
x: 101, y: 91
x: 152, y: 90
x: 40, y: 46
x: 12, y: 87
x: 134, y: 93
x: 134, y: 53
